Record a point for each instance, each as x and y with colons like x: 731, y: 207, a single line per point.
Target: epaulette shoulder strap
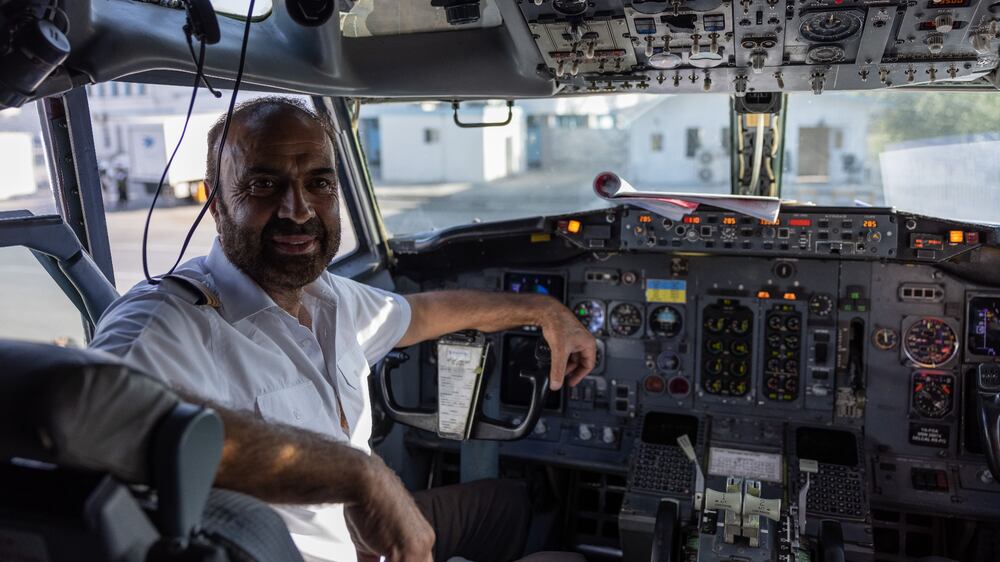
x: 189, y: 289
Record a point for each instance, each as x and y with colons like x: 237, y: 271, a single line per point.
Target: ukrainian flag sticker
x: 666, y: 290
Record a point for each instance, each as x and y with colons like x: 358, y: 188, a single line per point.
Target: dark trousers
x: 482, y: 521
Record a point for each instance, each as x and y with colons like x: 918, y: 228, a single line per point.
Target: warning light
x: 728, y: 220
x: 573, y: 227
x: 800, y: 222
x: 789, y: 296
x: 971, y: 237
x: 645, y: 218
x: 763, y: 295
x: 691, y: 219
x: 770, y: 223
x: 869, y: 223
x: 956, y: 236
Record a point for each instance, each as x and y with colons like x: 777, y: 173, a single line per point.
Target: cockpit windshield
x: 910, y: 150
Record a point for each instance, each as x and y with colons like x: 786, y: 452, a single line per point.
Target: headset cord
x: 199, y: 68
x: 222, y: 138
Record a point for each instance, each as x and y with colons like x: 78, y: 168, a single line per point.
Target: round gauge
x: 665, y: 61
x: 715, y: 325
x: 825, y: 54
x: 665, y: 322
x: 740, y: 325
x: 885, y: 338
x: 713, y: 346
x: 590, y: 313
x: 667, y: 361
x: 793, y: 323
x: 820, y: 304
x: 739, y: 348
x: 829, y: 27
x: 775, y: 322
x: 625, y: 320
x: 930, y: 342
x: 932, y: 395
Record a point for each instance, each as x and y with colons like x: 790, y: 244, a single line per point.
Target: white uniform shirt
x: 251, y: 355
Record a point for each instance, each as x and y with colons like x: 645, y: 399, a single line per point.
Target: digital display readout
x: 541, y: 284
x: 691, y: 219
x: 983, y: 331
x: 728, y: 220
x: 869, y: 223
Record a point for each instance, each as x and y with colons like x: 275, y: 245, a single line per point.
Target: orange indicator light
x: 573, y: 226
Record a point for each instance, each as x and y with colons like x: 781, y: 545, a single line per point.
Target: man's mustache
x: 312, y: 227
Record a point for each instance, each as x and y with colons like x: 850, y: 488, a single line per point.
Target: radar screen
x: 983, y: 333
x: 727, y: 342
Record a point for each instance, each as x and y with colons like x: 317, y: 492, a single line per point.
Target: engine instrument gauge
x: 885, y: 338
x: 625, y: 320
x: 933, y: 394
x: 665, y: 322
x: 590, y: 313
x: 930, y: 342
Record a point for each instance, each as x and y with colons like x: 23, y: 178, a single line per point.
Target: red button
x: 653, y: 384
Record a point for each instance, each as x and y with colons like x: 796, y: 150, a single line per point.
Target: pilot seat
x: 101, y: 462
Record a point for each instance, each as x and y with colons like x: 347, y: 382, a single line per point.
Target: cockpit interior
x: 819, y: 385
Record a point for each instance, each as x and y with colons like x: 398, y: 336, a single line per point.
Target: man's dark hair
x: 257, y: 107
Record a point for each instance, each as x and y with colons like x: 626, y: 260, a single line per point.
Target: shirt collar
x: 241, y: 296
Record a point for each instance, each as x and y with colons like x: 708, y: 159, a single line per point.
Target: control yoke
x: 988, y: 400
x: 461, y: 358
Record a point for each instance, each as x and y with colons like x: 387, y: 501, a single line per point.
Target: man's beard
x: 254, y: 252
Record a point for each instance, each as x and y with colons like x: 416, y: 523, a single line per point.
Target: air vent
x: 917, y: 292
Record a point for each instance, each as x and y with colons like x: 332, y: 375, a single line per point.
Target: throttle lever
x: 988, y: 402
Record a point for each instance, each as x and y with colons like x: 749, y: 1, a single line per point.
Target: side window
x: 32, y: 307
x: 136, y: 136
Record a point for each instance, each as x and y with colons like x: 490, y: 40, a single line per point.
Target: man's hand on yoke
x: 572, y: 348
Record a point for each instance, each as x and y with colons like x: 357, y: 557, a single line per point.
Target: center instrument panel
x: 740, y: 46
x: 830, y: 338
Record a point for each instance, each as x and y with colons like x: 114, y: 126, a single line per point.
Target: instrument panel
x: 857, y: 363
x: 748, y: 46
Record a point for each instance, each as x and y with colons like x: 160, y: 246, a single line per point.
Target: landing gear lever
x: 461, y: 358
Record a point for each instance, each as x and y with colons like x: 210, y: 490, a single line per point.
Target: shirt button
x: 304, y: 343
x: 297, y: 415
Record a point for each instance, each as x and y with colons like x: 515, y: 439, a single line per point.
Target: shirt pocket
x: 298, y: 405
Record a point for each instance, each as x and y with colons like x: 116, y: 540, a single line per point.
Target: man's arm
x: 573, y: 348
x: 281, y: 464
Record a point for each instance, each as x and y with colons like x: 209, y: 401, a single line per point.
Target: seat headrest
x: 78, y: 408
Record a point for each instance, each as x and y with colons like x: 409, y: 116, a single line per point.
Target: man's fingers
x: 557, y: 369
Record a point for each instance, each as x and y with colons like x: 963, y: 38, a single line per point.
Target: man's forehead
x: 284, y: 135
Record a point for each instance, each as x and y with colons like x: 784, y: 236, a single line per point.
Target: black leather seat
x: 100, y: 462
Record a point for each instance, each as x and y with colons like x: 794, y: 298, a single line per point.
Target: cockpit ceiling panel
x: 370, y: 18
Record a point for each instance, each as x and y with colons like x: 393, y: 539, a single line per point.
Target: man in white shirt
x: 282, y: 348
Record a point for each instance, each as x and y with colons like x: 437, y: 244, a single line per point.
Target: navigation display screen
x: 983, y: 332
x: 538, y: 283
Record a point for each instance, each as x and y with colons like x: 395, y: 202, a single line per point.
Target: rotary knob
x: 608, y: 436
x: 935, y: 43
x: 584, y: 433
x: 541, y: 428
x: 944, y: 23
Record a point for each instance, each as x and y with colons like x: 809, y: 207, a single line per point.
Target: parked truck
x: 149, y: 142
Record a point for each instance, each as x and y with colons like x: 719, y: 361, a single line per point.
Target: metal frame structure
x: 76, y: 182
